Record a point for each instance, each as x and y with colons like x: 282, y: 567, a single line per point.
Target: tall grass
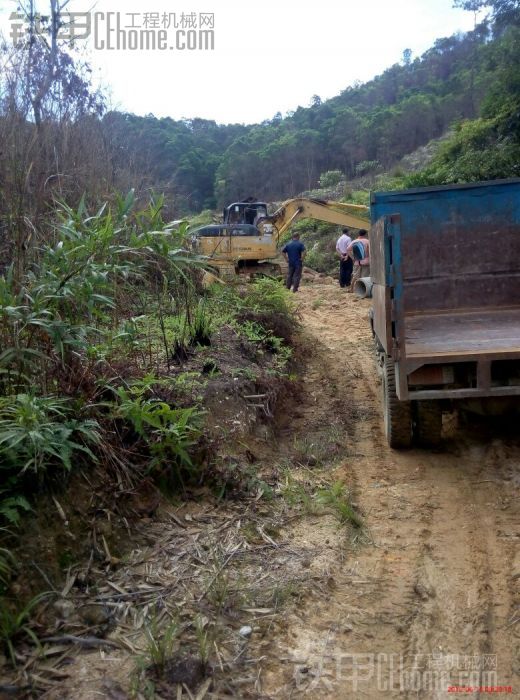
x: 63, y: 323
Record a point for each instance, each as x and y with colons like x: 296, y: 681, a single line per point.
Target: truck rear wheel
x: 427, y: 422
x: 397, y: 414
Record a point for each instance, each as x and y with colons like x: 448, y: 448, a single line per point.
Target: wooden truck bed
x: 467, y: 334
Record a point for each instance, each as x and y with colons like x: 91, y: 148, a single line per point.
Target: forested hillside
x: 487, y: 147
x: 365, y: 129
x: 469, y: 81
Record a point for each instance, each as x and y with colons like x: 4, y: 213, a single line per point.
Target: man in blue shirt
x: 294, y: 254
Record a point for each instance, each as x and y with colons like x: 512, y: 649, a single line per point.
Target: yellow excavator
x: 246, y: 242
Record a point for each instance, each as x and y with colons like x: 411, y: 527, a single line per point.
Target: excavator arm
x: 333, y: 212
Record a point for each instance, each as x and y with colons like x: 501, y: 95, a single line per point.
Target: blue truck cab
x: 445, y: 267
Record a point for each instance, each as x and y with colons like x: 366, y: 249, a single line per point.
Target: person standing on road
x: 345, y: 261
x: 359, y: 251
x: 294, y: 254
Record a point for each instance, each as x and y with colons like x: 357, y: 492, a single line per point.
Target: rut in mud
x: 424, y: 597
x: 431, y: 600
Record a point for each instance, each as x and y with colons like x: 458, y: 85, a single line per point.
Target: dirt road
x: 423, y: 601
x: 429, y: 603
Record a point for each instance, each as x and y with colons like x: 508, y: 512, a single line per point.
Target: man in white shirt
x: 345, y: 261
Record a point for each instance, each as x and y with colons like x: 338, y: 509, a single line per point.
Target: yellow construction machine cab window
x: 245, y: 212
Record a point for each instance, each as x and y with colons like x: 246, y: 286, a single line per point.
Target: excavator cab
x: 244, y: 213
x: 240, y: 242
x: 239, y: 219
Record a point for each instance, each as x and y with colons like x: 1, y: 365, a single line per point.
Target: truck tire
x: 427, y: 423
x: 397, y: 414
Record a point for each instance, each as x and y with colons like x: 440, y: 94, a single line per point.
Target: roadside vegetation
x: 128, y: 387
x: 112, y: 351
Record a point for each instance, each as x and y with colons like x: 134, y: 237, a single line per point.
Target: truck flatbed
x: 475, y: 332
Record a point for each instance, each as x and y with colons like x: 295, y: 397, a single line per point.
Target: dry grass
x: 196, y: 575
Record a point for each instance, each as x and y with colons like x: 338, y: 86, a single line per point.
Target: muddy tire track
x: 431, y: 598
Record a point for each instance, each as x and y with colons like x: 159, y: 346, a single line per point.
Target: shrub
x: 168, y: 432
x: 268, y: 295
x: 331, y: 178
x: 367, y: 166
x: 38, y: 432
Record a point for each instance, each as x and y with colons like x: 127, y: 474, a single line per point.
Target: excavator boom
x: 333, y: 212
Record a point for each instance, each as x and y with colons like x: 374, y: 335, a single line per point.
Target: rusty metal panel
x: 455, y: 275
x: 462, y: 291
x: 377, y: 253
x: 431, y: 375
x: 393, y: 238
x: 415, y: 361
x: 474, y: 267
x: 401, y: 381
x: 460, y: 244
x: 382, y: 322
x: 380, y: 272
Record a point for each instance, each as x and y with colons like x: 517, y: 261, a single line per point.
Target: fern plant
x: 37, y: 432
x: 11, y: 506
x: 169, y: 432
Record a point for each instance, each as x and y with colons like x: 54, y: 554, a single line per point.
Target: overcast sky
x: 269, y: 56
